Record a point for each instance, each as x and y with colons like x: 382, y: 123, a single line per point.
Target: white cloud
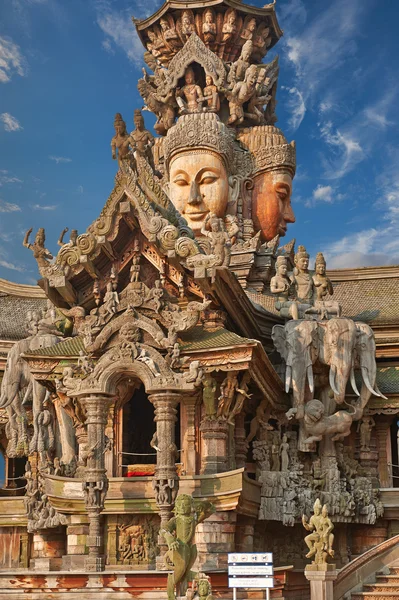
x: 7, y: 207
x: 44, y: 207
x: 11, y: 60
x: 5, y: 178
x: 9, y: 265
x: 320, y: 48
x: 120, y: 32
x: 296, y: 106
x: 119, y: 29
x: 323, y: 193
x: 60, y: 159
x: 10, y: 122
x: 347, y: 151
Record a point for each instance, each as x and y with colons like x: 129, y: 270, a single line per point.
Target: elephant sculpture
x: 17, y: 388
x: 339, y: 343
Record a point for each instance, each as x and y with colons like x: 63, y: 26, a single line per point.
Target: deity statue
x: 209, y: 26
x: 240, y: 94
x: 219, y: 239
x: 272, y: 179
x: 187, y: 25
x: 141, y: 140
x: 72, y: 238
x: 211, y: 95
x: 157, y: 47
x: 119, y: 144
x: 281, y: 287
x: 321, y: 282
x: 209, y: 396
x: 248, y: 30
x: 169, y: 32
x: 179, y: 534
x: 320, y: 540
x: 241, y: 396
x: 302, y: 280
x: 261, y: 42
x: 205, y: 590
x: 227, y: 391
x: 284, y: 451
x: 192, y: 93
x: 199, y: 154
x: 365, y: 427
x: 111, y: 300
x: 240, y: 66
x: 40, y: 253
x: 229, y: 28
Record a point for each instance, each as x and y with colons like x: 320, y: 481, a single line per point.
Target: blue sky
x: 67, y: 66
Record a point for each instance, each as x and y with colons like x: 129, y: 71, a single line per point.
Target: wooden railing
x: 359, y: 570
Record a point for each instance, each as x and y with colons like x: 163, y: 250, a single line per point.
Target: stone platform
x: 24, y: 584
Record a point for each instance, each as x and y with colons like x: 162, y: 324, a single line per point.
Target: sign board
x: 250, y: 558
x: 251, y: 582
x: 250, y: 570
x: 265, y: 570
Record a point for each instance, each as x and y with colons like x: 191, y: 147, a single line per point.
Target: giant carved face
x: 271, y: 203
x: 198, y: 186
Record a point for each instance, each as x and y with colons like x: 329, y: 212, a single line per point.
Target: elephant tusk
x: 309, y: 371
x: 353, y: 383
x: 366, y: 380
x: 288, y: 378
x: 381, y: 394
x: 332, y: 380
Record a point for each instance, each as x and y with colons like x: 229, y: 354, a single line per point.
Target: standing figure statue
x: 141, y: 140
x: 179, y: 535
x: 284, y: 451
x: 219, y: 239
x: 240, y: 94
x: 320, y: 540
x: 365, y: 427
x: 209, y: 396
x: 302, y: 279
x: 40, y: 253
x: 119, y: 145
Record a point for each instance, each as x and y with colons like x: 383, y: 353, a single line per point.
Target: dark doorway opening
x: 138, y: 429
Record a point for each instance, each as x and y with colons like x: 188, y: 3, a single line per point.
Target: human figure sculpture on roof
x: 191, y: 92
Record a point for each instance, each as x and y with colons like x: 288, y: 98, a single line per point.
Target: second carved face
x: 271, y: 203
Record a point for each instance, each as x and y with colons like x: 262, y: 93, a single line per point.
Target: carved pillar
x: 321, y: 579
x: 382, y: 429
x: 96, y: 482
x: 188, y: 434
x: 244, y: 536
x: 24, y: 549
x: 165, y: 482
x: 214, y: 435
x: 241, y: 446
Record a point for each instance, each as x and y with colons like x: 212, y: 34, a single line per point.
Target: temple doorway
x: 394, y: 467
x: 138, y: 428
x: 137, y: 457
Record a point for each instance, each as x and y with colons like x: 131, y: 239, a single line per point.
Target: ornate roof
x: 13, y: 311
x: 369, y: 295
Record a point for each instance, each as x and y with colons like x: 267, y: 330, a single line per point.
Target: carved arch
x: 195, y: 50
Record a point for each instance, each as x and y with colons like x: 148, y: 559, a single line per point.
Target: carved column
x: 214, y: 434
x: 95, y: 485
x: 382, y: 429
x: 241, y: 446
x: 188, y: 437
x: 165, y: 480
